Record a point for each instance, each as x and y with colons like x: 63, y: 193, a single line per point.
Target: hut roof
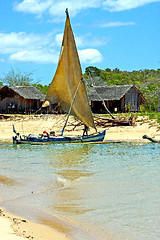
x: 28, y: 92
x: 110, y: 93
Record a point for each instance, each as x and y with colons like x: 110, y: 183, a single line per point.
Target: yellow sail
x: 68, y: 81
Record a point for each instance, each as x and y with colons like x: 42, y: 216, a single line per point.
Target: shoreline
x: 18, y: 228
x: 41, y: 225
x: 33, y: 223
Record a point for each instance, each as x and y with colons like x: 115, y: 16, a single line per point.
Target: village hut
x: 119, y: 98
x: 20, y: 99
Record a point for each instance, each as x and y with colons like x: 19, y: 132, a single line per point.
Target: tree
x: 13, y: 78
x: 108, y: 70
x: 94, y: 71
x: 116, y: 70
x: 42, y: 88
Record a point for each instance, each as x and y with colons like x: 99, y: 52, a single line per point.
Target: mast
x: 67, y: 14
x: 71, y: 107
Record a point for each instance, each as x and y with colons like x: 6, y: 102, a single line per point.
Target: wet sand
x: 17, y: 228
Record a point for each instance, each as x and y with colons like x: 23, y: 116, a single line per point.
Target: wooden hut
x: 19, y: 99
x: 119, y: 98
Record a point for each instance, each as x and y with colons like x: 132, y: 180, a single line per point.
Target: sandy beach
x: 17, y: 228
x: 36, y: 124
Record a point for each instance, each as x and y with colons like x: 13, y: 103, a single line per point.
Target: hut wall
x: 6, y: 102
x: 132, y: 99
x: 21, y: 104
x: 28, y: 104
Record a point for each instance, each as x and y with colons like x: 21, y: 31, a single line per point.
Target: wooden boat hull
x: 31, y: 139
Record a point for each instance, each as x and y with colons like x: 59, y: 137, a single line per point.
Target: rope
x: 101, y: 98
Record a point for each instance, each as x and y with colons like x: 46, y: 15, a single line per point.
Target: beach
x: 15, y: 227
x: 36, y: 124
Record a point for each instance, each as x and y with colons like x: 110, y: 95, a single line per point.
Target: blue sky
x: 122, y: 34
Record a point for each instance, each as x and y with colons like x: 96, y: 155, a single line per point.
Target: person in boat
x: 45, y: 134
x: 85, y: 132
x: 52, y: 133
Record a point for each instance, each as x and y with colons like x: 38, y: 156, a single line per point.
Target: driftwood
x: 4, y: 116
x: 103, y: 121
x: 150, y: 139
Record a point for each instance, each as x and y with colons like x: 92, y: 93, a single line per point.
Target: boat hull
x: 31, y: 139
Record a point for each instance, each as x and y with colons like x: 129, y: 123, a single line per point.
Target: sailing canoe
x: 67, y: 89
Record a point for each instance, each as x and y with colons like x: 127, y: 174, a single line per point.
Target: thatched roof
x: 111, y: 93
x: 27, y: 92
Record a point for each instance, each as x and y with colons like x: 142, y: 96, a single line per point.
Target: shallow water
x: 111, y: 189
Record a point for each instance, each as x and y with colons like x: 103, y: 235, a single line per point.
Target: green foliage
x: 42, y: 88
x: 16, y: 78
x: 1, y: 84
x: 152, y: 115
x: 158, y: 119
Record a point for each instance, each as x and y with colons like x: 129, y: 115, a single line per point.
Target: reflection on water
x: 112, y: 188
x: 71, y: 167
x: 7, y: 180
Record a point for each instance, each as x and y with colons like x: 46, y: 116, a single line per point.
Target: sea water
x: 110, y: 189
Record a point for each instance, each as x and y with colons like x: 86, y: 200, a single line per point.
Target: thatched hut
x: 17, y: 99
x: 119, y: 98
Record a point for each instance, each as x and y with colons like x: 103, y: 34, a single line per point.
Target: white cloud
x: 58, y: 39
x: 11, y: 42
x: 23, y: 47
x: 87, y: 56
x: 33, y: 6
x: 89, y: 40
x: 90, y: 56
x: 83, y: 40
x: 56, y: 7
x: 121, y: 5
x: 116, y: 24
x: 35, y: 56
